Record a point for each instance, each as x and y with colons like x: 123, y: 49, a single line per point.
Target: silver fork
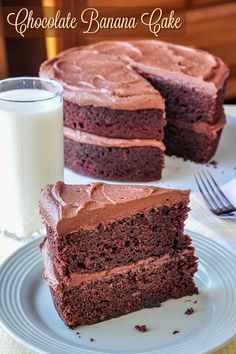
x: 215, y: 199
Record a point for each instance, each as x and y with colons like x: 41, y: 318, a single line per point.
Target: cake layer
x: 210, y: 130
x: 137, y: 124
x: 114, y: 163
x: 89, y: 299
x: 197, y: 142
x: 153, y: 232
x: 67, y: 208
x: 191, y: 81
x: 186, y: 103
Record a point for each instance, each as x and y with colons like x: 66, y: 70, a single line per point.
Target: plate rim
x: 3, y: 325
x: 28, y: 345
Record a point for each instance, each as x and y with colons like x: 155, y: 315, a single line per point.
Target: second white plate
x: 28, y: 314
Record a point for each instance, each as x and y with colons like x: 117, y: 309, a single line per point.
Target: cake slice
x: 114, y: 249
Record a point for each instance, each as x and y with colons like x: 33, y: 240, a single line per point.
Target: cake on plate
x: 119, y: 98
x: 114, y: 249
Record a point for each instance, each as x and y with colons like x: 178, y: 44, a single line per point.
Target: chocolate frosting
x: 167, y: 60
x: 92, y: 139
x: 105, y: 74
x: 68, y: 208
x: 92, y: 78
x: 75, y: 279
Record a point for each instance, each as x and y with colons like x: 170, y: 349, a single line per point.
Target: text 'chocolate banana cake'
x: 126, y: 102
x: 114, y: 249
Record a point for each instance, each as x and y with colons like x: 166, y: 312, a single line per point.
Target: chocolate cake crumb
x: 214, y: 163
x: 176, y: 331
x: 141, y: 328
x: 189, y: 311
x: 92, y: 340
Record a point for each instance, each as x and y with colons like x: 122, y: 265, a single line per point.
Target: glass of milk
x: 31, y: 150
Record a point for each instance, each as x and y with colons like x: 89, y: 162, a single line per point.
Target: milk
x: 31, y: 155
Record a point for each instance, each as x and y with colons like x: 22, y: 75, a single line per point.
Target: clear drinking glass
x: 31, y: 150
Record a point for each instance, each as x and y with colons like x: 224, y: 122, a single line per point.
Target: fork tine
x: 229, y: 204
x: 209, y: 204
x: 217, y: 198
x: 209, y: 194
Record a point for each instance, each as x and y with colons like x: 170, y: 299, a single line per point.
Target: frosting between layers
x: 92, y: 139
x: 76, y: 279
x: 68, y: 208
x: 201, y: 127
x: 105, y: 74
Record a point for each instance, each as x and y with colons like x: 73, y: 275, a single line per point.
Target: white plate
x: 27, y: 312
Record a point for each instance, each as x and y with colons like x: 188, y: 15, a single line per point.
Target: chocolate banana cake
x: 116, y: 91
x: 114, y: 249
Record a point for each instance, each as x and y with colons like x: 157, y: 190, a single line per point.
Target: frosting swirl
x: 112, y: 74
x: 92, y: 78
